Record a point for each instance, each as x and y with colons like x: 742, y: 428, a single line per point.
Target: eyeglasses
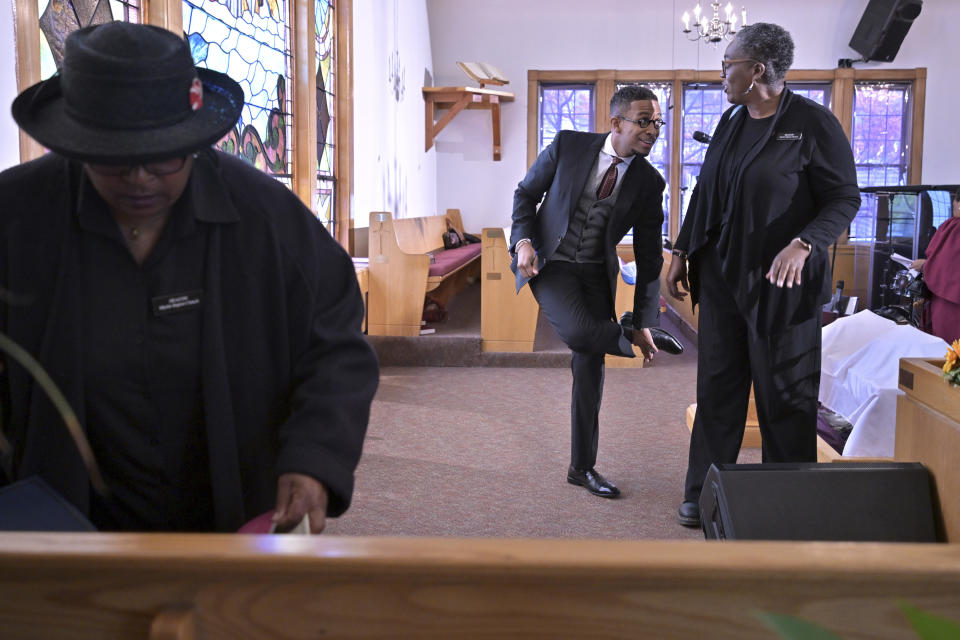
x: 725, y: 64
x: 162, y: 168
x: 643, y: 123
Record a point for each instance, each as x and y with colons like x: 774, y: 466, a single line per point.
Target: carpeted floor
x: 483, y: 451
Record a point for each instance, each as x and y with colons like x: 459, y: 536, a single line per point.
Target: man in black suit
x: 597, y: 187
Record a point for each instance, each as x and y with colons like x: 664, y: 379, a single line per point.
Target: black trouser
x: 576, y: 300
x: 784, y: 369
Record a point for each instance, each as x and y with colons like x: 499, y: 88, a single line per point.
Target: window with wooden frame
x: 701, y: 101
x: 702, y: 105
x: 564, y: 106
x: 297, y: 128
x: 659, y: 155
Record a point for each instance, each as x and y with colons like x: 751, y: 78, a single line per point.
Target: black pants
x: 784, y: 369
x: 576, y: 300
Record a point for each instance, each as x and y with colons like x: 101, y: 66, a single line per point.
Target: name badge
x: 174, y: 303
x: 790, y: 136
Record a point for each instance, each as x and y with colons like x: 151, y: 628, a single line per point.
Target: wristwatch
x: 679, y: 253
x: 803, y: 243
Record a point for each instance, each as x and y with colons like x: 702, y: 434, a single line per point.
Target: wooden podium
x: 928, y: 431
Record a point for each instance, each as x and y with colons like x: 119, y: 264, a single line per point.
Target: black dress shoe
x: 593, y: 482
x: 689, y: 514
x: 662, y: 339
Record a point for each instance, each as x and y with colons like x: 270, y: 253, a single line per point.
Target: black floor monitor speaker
x: 883, y: 27
x: 850, y: 501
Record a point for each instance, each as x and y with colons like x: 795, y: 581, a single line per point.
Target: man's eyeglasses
x: 725, y: 64
x: 643, y: 123
x: 162, y: 168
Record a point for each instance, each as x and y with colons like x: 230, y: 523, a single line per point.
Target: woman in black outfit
x: 777, y: 187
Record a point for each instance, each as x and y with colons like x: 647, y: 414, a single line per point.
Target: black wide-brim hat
x: 128, y: 94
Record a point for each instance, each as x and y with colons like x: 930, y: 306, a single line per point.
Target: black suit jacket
x: 561, y: 171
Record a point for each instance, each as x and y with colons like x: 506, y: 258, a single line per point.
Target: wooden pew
x: 400, y: 276
x: 508, y: 320
x: 362, y: 268
x: 167, y: 587
x: 624, y: 302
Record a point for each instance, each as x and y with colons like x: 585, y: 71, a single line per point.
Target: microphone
x: 700, y: 136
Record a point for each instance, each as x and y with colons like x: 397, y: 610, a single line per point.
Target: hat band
x: 110, y: 103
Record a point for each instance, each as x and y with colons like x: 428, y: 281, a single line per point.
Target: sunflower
x: 952, y: 358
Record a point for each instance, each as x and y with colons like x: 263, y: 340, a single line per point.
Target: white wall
x: 391, y: 171
x: 518, y: 35
x: 10, y: 147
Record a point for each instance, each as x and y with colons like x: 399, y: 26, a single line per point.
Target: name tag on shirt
x: 789, y: 136
x: 177, y: 302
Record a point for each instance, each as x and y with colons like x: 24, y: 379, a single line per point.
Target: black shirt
x: 141, y: 368
x: 751, y: 131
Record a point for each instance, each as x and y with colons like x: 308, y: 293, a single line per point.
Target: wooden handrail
x: 117, y: 585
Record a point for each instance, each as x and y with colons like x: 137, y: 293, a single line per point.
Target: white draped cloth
x: 859, y: 374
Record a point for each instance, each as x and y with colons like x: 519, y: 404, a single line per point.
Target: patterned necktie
x: 609, y: 180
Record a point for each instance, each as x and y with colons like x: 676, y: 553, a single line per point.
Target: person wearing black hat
x: 202, y: 322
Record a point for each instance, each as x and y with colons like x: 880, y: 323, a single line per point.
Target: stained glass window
x: 60, y: 18
x: 564, y: 106
x: 660, y: 154
x: 251, y: 44
x: 881, y: 139
x: 324, y: 198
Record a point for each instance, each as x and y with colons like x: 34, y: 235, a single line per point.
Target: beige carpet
x: 483, y: 451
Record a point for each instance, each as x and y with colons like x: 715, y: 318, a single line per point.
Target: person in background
x: 940, y: 269
x: 777, y: 187
x: 597, y: 187
x: 200, y: 320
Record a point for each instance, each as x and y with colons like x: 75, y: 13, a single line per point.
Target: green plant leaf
x: 792, y: 628
x: 929, y: 626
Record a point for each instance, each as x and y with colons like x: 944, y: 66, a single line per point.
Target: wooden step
x: 752, y: 439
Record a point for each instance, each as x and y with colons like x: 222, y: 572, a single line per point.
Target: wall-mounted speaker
x: 848, y: 501
x: 883, y: 27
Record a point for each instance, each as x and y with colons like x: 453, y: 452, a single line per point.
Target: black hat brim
x: 41, y: 112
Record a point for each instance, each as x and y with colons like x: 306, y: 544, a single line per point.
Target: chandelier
x: 713, y: 29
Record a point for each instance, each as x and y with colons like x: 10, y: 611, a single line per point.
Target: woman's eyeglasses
x: 162, y: 168
x: 725, y: 64
x: 643, y: 123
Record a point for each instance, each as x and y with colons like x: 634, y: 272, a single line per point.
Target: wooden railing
x: 234, y: 586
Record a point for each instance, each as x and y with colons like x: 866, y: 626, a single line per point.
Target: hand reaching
x: 677, y: 274
x: 298, y: 495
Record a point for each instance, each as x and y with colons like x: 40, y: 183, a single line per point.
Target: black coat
x: 798, y: 180
x: 287, y: 377
x: 561, y: 171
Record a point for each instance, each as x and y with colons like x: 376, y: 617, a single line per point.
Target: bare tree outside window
x: 566, y: 106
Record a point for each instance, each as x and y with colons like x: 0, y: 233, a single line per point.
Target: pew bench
x: 407, y: 260
x: 508, y: 319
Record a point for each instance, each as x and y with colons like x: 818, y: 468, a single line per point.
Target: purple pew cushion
x: 446, y: 261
